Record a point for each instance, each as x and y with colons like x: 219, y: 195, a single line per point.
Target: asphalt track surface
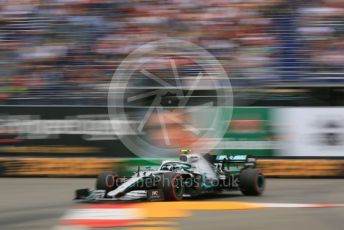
x: 39, y: 203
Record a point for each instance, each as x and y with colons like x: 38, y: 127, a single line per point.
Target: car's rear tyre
x: 172, y: 186
x: 252, y: 182
x: 107, y: 181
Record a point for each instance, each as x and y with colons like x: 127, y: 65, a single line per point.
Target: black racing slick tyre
x: 107, y: 181
x: 172, y: 186
x: 252, y: 182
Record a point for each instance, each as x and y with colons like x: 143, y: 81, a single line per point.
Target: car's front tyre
x: 172, y: 186
x: 107, y: 181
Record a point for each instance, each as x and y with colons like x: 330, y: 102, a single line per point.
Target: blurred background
x: 284, y: 60
x: 276, y: 52
x: 285, y: 63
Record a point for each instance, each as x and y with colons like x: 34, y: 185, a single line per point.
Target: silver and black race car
x: 192, y: 175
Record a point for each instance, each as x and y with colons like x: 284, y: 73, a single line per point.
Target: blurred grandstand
x: 64, y: 52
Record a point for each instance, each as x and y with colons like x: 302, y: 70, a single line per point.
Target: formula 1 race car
x: 191, y: 176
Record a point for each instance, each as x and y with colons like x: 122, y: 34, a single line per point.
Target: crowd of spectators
x: 321, y: 29
x: 66, y: 51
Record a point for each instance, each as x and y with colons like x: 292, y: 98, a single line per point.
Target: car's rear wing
x: 233, y: 158
x: 236, y: 159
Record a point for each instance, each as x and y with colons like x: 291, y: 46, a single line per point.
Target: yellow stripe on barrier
x: 55, y: 166
x: 51, y: 149
x: 302, y: 168
x: 73, y: 167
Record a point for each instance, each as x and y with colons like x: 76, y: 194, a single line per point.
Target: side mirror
x: 194, y: 158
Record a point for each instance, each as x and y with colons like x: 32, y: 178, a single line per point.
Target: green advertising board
x: 249, y: 132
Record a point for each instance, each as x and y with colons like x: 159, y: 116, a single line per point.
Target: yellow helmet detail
x: 185, y: 151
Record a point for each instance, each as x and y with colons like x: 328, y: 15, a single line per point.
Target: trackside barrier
x: 54, y: 167
x: 302, y: 168
x: 89, y: 167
